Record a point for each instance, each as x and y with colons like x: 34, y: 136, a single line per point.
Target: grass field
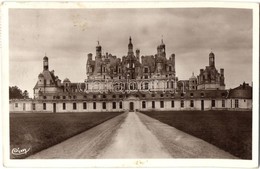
x: 38, y: 131
x: 228, y: 130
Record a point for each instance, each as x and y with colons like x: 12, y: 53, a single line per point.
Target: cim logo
x: 18, y: 151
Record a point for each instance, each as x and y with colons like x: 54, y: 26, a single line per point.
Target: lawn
x: 39, y: 131
x: 228, y: 130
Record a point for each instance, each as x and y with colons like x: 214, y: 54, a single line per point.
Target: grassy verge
x: 228, y: 130
x: 39, y: 131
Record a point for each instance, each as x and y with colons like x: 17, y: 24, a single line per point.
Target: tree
x: 16, y: 93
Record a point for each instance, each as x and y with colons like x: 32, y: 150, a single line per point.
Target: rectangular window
x: 146, y: 86
x: 94, y: 105
x: 143, y: 104
x: 33, y: 106
x: 162, y: 104
x: 84, y: 105
x: 16, y: 104
x: 191, y: 103
x: 64, y: 106
x: 23, y: 106
x: 182, y: 103
x: 236, y: 103
x: 74, y: 106
x: 114, y: 105
x: 120, y: 105
x: 213, y: 103
x: 153, y: 104
x: 223, y: 103
x: 172, y: 103
x: 44, y: 106
x: 104, y: 105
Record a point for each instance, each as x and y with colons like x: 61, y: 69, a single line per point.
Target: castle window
x: 84, y: 105
x: 120, y: 105
x: 114, y: 105
x: 146, y: 70
x: 104, y: 96
x: 202, y: 94
x: 236, y: 103
x: 182, y: 103
x: 94, y: 105
x: 191, y: 94
x: 16, y: 104
x: 119, y: 77
x: 170, y: 68
x: 191, y: 103
x: 213, y: 104
x: 162, y: 104
x: 172, y: 103
x: 161, y: 95
x: 223, y: 94
x: 84, y: 96
x: 223, y: 103
x: 104, y: 105
x: 153, y: 104
x: 44, y: 106
x: 153, y: 95
x: 44, y: 97
x: 114, y: 96
x: 64, y: 106
x: 44, y: 82
x: 182, y: 94
x: 33, y: 106
x: 145, y: 77
x: 94, y: 96
x: 143, y: 104
x: 74, y: 106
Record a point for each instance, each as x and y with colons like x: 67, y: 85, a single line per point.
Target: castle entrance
x: 131, y: 106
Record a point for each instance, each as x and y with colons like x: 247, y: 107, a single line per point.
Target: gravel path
x: 132, y: 135
x: 134, y: 140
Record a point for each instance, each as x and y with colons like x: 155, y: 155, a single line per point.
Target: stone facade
x: 134, y: 83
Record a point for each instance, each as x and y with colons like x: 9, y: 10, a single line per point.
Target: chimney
x: 222, y: 72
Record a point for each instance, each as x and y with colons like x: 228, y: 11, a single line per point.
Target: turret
x: 211, y: 59
x: 98, y: 50
x: 45, y: 63
x: 138, y: 55
x: 130, y: 46
x: 89, y: 56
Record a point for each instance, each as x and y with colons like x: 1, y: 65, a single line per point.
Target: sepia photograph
x: 99, y: 83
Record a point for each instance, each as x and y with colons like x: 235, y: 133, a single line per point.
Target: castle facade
x: 134, y: 83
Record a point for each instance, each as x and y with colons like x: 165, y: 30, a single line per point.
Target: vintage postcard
x: 130, y: 84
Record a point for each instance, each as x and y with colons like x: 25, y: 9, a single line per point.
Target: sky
x: 66, y: 36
